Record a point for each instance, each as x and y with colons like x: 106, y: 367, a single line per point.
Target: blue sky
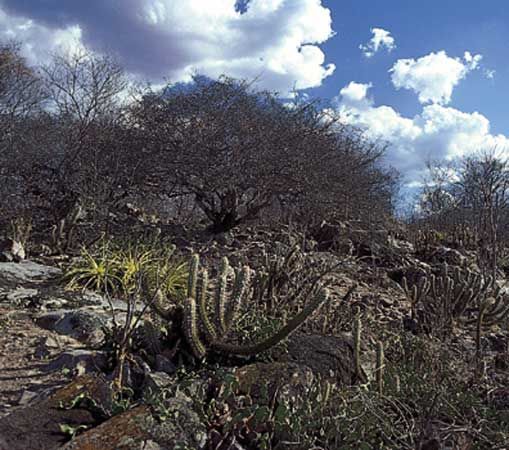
x: 428, y: 78
x: 420, y: 28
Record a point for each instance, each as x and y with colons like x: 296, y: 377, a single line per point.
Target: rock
x: 82, y: 325
x: 27, y: 272
x: 163, y: 364
x: 21, y: 295
x: 82, y: 361
x: 498, y: 342
x: 137, y: 428
x: 286, y: 380
x: 331, y: 357
x: 11, y: 251
x: 448, y: 255
x: 224, y: 239
x: 27, y: 397
x: 37, y: 425
x: 155, y: 383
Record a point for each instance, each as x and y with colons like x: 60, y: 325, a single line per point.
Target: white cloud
x: 438, y: 132
x: 489, y: 73
x: 381, y: 39
x: 472, y: 61
x: 356, y: 94
x: 276, y: 41
x: 38, y: 41
x: 434, y: 76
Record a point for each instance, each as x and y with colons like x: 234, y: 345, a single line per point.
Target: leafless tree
x: 483, y: 189
x: 237, y: 150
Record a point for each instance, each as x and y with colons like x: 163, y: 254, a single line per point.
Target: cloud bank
x: 274, y: 40
x: 437, y: 132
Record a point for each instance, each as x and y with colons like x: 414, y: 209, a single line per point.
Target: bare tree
x: 237, y: 150
x: 484, y: 190
x: 232, y: 148
x: 21, y: 89
x: 84, y: 94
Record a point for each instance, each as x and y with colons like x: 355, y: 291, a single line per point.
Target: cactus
x: 380, y: 363
x: 357, y: 332
x: 416, y: 293
x: 204, y: 334
x: 448, y: 297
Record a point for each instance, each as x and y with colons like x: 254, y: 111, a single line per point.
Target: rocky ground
x: 56, y: 379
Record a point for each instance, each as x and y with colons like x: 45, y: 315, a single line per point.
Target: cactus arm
x: 193, y: 276
x: 242, y: 279
x: 380, y: 363
x: 282, y: 334
x: 357, y: 332
x: 208, y: 326
x: 220, y: 300
x: 191, y: 329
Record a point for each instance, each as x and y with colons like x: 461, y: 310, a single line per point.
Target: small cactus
x: 357, y: 333
x: 380, y: 363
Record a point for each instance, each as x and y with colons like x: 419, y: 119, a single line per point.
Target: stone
x: 137, y: 428
x: 82, y: 325
x: 80, y: 360
x: 155, y: 383
x: 330, y: 357
x: 163, y: 364
x: 27, y: 272
x: 286, y: 380
x: 36, y: 426
x: 21, y: 295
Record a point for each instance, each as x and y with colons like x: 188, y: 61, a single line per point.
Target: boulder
x: 37, y: 425
x: 287, y: 381
x: 138, y: 429
x: 82, y: 325
x: 330, y: 357
x: 27, y: 272
x: 79, y: 360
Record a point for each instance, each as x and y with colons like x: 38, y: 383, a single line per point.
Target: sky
x: 429, y: 79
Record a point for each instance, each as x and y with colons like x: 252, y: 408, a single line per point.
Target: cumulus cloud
x: 381, y: 39
x: 437, y: 132
x: 276, y: 41
x: 434, y: 76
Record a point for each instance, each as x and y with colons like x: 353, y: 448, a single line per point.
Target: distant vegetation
x: 75, y: 134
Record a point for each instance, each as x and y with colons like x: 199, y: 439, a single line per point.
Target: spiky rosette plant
x: 204, y: 333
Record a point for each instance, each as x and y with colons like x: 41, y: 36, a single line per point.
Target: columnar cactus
x: 204, y: 334
x: 454, y: 292
x: 357, y: 333
x: 380, y: 367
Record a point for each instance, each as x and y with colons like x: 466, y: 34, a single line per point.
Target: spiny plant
x: 93, y: 271
x: 278, y: 269
x: 447, y: 298
x: 204, y: 334
x: 380, y: 365
x: 116, y: 269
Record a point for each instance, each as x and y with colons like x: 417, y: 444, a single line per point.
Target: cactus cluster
x: 277, y: 271
x: 232, y: 287
x: 454, y: 292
